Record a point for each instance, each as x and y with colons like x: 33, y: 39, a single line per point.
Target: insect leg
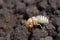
x: 40, y: 25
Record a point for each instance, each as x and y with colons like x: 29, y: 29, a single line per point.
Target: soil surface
x: 14, y: 14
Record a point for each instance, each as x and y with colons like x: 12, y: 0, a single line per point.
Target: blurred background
x: 14, y: 14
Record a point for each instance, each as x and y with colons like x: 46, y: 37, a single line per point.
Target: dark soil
x: 14, y: 14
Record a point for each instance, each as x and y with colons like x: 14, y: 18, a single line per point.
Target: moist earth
x: 14, y: 14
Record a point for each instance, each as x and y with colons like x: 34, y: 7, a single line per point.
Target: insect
x: 36, y: 20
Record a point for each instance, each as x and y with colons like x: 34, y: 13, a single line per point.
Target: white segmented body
x: 42, y: 19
